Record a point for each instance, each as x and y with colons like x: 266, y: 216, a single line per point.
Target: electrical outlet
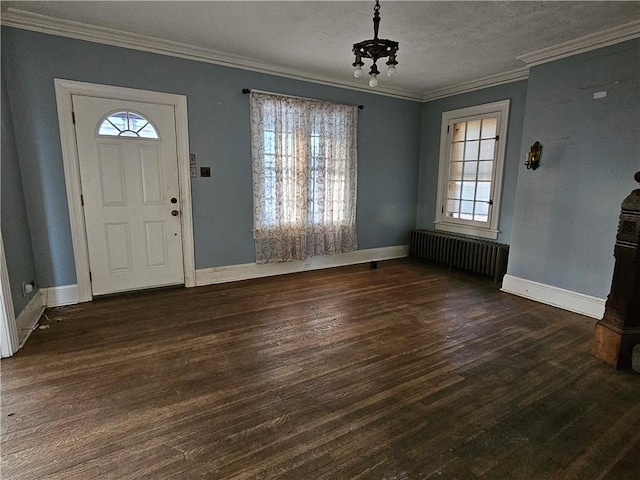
x: 27, y: 288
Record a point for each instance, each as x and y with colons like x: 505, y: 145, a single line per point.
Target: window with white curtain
x: 304, y: 177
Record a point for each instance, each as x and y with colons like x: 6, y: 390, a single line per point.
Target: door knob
x: 174, y: 213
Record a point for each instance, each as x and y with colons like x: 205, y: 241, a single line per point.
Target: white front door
x: 130, y: 191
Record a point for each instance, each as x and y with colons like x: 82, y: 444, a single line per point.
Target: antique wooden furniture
x: 619, y: 330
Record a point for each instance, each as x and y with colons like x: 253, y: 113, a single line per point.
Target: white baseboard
x: 68, y: 294
x: 29, y: 317
x: 59, y: 296
x: 246, y: 271
x: 558, y: 297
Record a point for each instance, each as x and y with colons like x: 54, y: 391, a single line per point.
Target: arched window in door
x: 127, y: 124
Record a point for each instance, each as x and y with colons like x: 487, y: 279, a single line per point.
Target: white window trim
x: 468, y: 228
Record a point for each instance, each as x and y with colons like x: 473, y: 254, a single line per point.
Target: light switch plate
x: 194, y: 172
x: 192, y: 159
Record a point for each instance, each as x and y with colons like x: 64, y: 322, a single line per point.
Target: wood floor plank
x: 406, y: 371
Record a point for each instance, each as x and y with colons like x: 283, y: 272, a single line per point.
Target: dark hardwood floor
x: 403, y: 372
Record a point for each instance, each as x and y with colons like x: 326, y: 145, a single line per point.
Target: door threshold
x: 141, y: 291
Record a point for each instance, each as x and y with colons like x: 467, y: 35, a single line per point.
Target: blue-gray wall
x: 566, y: 211
x: 430, y: 150
x: 560, y: 219
x: 388, y: 138
x: 15, y: 230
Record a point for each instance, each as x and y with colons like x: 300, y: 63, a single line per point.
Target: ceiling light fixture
x: 375, y: 49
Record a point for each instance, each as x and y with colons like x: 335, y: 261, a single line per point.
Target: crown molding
x: 13, y: 17
x: 604, y: 38
x: 485, y: 82
x: 17, y: 18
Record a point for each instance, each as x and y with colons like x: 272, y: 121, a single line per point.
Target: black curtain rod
x: 247, y: 91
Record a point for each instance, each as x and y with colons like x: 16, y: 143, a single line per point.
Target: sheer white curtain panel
x: 304, y: 177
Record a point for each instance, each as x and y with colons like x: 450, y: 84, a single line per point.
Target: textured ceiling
x: 441, y: 43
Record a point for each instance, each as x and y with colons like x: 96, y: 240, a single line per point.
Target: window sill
x: 468, y: 230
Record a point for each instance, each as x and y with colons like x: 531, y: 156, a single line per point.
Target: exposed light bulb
x: 373, y: 81
x: 357, y: 72
x: 392, y: 71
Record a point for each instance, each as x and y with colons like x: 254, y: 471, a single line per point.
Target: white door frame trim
x: 9, y: 342
x: 64, y: 90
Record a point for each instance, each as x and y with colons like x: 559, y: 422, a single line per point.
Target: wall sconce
x: 533, y: 157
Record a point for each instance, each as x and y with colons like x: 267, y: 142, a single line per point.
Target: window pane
x: 480, y: 218
x: 471, y: 150
x: 148, y: 132
x: 486, y: 149
x: 458, y: 131
x: 473, y: 130
x: 453, y: 206
x: 466, y: 210
x: 119, y: 120
x: 470, y: 171
x: 489, y: 126
x: 466, y: 207
x: 483, y: 192
x: 484, y: 171
x: 456, y: 171
x: 482, y: 208
x: 455, y: 189
x: 127, y: 124
x: 458, y: 151
x: 136, y: 122
x: 468, y: 190
x: 108, y: 129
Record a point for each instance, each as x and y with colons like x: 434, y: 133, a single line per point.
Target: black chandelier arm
x: 358, y: 62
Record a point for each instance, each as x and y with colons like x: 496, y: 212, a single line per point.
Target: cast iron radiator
x: 456, y: 251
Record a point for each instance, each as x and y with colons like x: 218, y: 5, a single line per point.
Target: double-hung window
x: 472, y: 149
x: 304, y: 177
